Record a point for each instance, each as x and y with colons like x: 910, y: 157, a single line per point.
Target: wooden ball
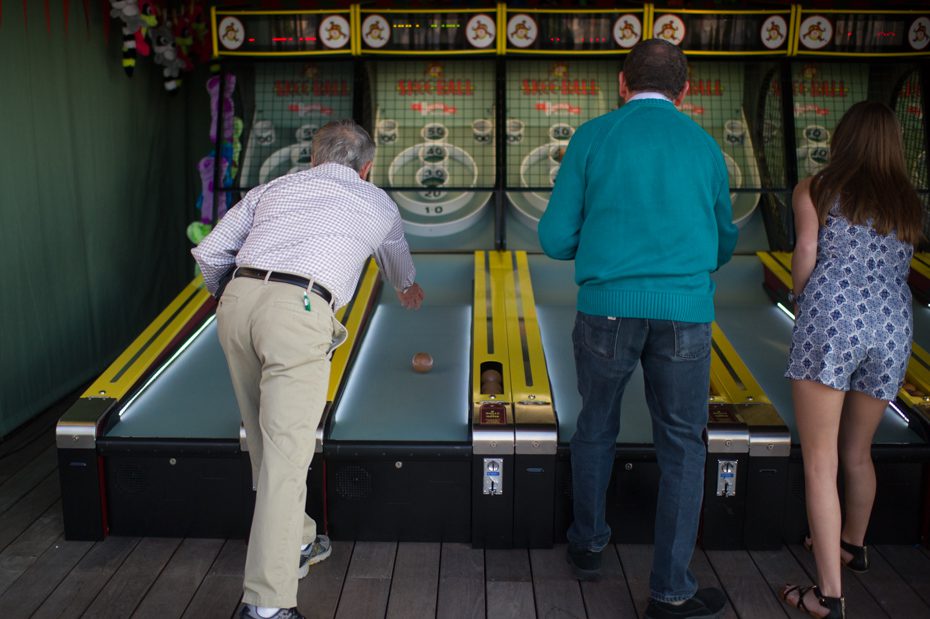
x: 492, y: 387
x: 422, y: 362
x: 491, y: 376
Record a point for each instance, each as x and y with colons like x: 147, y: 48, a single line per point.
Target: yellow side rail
x: 357, y: 311
x: 489, y: 327
x: 137, y: 359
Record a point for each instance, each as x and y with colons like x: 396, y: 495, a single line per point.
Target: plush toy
x: 236, y: 146
x: 202, y: 49
x: 166, y: 55
x: 207, y: 169
x: 213, y: 87
x: 137, y: 18
x: 197, y: 231
x: 183, y: 37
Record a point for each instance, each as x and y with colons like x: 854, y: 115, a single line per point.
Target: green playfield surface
x: 292, y: 101
x: 548, y: 115
x: 434, y: 126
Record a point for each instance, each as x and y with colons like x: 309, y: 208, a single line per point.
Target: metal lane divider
x: 492, y: 418
x: 80, y: 470
x: 355, y: 317
x: 536, y: 428
x: 748, y: 445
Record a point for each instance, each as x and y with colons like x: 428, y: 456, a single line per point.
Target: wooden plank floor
x: 42, y: 575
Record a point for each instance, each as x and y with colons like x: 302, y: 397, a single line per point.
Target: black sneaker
x: 586, y: 564
x: 705, y: 604
x: 248, y: 612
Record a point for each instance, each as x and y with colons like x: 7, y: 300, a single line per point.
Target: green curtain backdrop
x: 97, y: 184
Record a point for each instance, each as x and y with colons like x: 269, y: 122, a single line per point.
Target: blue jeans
x: 676, y: 369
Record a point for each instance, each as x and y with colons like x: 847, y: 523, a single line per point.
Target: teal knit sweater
x: 642, y: 204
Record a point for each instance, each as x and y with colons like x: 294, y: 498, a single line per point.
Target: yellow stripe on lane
x: 779, y: 263
x: 529, y: 372
x: 360, y: 308
x: 117, y: 380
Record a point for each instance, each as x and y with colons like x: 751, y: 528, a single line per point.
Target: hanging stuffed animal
x: 166, y: 55
x: 137, y: 18
x: 183, y: 37
x: 238, y: 126
x: 206, y: 168
x: 228, y: 109
x: 202, y: 49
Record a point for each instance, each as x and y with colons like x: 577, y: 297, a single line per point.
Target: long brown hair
x: 868, y: 176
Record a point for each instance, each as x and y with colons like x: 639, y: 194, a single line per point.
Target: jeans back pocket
x: 599, y: 334
x: 692, y: 339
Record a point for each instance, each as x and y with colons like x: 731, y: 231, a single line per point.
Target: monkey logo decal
x: 334, y: 31
x: 231, y: 33
x: 627, y: 30
x: 774, y: 32
x: 522, y: 30
x: 918, y: 35
x: 816, y: 32
x: 376, y: 31
x: 669, y: 28
x: 480, y: 31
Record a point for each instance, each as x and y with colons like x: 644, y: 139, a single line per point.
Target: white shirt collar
x: 648, y: 95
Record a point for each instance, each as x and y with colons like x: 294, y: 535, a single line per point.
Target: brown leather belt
x: 284, y: 278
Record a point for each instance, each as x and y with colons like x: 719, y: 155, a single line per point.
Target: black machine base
x: 395, y: 494
x: 178, y: 494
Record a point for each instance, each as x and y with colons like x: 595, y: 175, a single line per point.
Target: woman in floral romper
x: 856, y: 222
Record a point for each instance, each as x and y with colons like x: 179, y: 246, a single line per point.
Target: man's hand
x: 411, y: 297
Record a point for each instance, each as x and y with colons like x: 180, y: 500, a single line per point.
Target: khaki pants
x: 278, y: 355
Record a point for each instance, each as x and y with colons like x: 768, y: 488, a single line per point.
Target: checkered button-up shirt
x: 322, y: 224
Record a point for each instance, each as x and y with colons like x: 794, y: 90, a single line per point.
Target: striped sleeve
x: 216, y: 253
x: 393, y: 255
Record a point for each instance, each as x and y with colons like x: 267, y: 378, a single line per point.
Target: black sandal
x: 860, y: 557
x: 860, y: 554
x: 836, y: 606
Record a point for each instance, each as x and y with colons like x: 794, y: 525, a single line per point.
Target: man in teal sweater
x: 642, y: 205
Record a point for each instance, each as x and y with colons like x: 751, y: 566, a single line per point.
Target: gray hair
x: 343, y: 141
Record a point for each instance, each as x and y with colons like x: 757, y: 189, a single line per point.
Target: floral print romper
x: 854, y: 323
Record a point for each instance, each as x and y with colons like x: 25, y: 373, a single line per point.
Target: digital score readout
x: 865, y: 33
x: 591, y: 32
x: 428, y: 31
x: 287, y: 33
